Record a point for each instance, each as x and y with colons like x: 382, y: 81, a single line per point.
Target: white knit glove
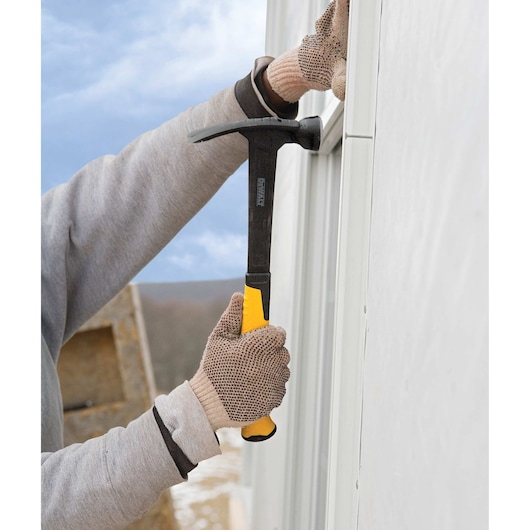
x: 319, y: 63
x: 241, y: 378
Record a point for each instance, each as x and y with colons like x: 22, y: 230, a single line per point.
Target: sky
x: 113, y: 69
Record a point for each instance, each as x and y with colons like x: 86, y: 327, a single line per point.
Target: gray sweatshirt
x: 98, y: 231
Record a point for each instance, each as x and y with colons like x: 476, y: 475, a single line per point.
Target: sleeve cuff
x: 177, y: 454
x: 187, y: 424
x: 252, y: 96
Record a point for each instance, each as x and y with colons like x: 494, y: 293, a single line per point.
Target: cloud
x: 134, y: 54
x: 210, y: 254
x: 223, y: 248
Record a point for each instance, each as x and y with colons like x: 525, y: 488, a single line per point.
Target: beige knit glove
x: 319, y: 63
x: 241, y: 378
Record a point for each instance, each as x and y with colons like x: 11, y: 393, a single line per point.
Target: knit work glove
x: 241, y: 378
x: 319, y: 63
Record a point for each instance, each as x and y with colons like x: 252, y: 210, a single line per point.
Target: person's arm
x: 104, y: 225
x: 98, y: 230
x: 109, y: 481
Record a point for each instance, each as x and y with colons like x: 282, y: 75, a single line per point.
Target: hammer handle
x: 254, y: 318
x: 265, y: 137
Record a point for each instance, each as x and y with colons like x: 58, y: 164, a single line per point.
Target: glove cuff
x: 209, y: 400
x: 286, y: 78
x: 252, y: 95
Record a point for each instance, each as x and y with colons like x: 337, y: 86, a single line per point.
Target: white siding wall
x: 425, y: 426
x: 379, y: 267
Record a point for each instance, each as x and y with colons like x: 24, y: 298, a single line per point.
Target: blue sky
x: 111, y: 70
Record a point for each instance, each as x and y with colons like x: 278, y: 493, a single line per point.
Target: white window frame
x: 352, y: 265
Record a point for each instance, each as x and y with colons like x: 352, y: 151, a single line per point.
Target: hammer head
x: 306, y: 133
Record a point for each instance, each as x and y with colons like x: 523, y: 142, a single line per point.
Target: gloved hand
x: 241, y: 378
x: 319, y: 63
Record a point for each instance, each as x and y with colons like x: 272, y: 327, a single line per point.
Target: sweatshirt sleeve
x: 98, y: 231
x: 112, y: 217
x: 110, y: 481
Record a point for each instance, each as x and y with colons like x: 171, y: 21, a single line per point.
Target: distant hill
x: 179, y: 318
x: 198, y: 290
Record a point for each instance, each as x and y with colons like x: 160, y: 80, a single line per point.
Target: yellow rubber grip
x: 260, y: 430
x: 253, y: 318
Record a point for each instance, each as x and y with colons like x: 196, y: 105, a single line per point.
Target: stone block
x: 107, y: 381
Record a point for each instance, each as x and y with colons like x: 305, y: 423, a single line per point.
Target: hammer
x: 265, y: 137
